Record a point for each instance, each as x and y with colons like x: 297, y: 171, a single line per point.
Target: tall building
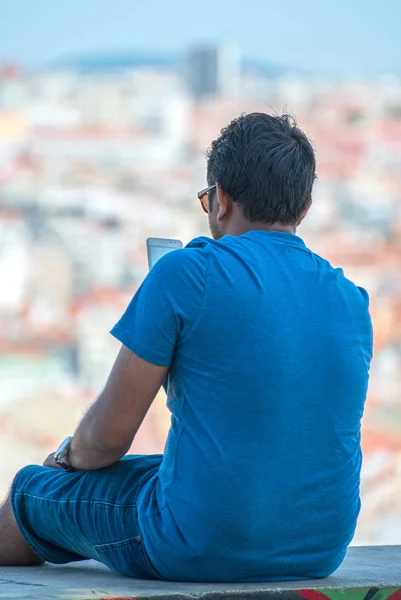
x: 213, y: 70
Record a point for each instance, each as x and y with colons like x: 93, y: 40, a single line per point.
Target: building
x: 213, y: 71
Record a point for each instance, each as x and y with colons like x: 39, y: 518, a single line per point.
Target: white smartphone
x: 158, y: 247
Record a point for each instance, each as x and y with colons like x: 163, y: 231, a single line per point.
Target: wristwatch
x: 61, y: 455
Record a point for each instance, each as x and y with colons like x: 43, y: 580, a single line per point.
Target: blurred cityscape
x: 96, y: 155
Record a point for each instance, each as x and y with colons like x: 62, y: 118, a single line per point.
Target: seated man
x: 265, y: 349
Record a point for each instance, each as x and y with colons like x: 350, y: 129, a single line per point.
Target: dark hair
x: 266, y: 164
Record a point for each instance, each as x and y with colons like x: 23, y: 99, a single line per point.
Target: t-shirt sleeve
x: 165, y: 307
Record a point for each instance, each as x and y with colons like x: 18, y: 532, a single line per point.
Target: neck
x: 243, y: 226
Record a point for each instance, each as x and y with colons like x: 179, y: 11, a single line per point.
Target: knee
x: 14, y: 550
x: 6, y: 504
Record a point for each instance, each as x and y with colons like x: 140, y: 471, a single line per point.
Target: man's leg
x: 14, y: 551
x: 67, y: 517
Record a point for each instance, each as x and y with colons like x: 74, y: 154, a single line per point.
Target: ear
x: 224, y: 201
x: 304, y: 212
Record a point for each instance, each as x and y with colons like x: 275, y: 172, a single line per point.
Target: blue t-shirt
x: 269, y: 350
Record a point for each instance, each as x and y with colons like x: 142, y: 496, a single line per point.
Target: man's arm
x: 162, y: 312
x: 107, y: 430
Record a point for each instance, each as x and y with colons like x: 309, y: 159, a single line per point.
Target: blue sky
x: 337, y: 37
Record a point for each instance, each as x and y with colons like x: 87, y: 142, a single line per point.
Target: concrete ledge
x: 371, y: 573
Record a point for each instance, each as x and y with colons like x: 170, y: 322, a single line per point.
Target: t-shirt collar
x: 282, y: 236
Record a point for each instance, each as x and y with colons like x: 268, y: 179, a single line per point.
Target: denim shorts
x: 67, y: 517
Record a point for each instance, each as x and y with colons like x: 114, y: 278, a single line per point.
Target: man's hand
x: 50, y: 462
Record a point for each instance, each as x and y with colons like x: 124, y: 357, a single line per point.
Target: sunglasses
x: 203, y: 197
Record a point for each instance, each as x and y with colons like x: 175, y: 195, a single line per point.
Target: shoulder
x: 337, y: 275
x: 358, y: 292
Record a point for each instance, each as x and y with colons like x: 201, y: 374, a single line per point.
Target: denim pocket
x: 127, y: 557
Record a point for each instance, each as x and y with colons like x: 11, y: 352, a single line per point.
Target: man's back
x: 269, y: 373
